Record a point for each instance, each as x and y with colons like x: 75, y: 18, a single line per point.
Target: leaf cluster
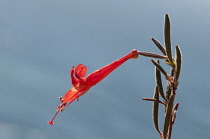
x: 165, y: 97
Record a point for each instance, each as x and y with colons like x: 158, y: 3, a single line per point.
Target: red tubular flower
x: 82, y: 84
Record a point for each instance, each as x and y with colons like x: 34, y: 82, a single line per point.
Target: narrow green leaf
x: 176, y: 106
x: 167, y: 38
x: 168, y: 90
x: 153, y: 55
x: 178, y: 62
x: 159, y: 46
x: 154, y: 100
x: 172, y: 64
x: 174, y: 112
x: 159, y: 67
x: 155, y: 110
x: 168, y: 116
x: 168, y: 86
x: 150, y: 99
x: 159, y: 82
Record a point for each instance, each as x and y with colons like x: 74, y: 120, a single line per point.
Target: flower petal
x: 71, y: 95
x: 74, y: 81
x: 82, y: 72
x: 77, y: 71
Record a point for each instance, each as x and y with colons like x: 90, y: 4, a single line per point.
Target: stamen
x: 51, y: 122
x: 61, y: 99
x: 59, y: 109
x: 66, y: 106
x: 76, y: 97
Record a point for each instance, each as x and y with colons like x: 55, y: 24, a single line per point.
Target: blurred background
x: 40, y: 40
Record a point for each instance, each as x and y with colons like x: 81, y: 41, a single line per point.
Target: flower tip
x: 50, y: 122
x: 134, y: 50
x: 134, y: 53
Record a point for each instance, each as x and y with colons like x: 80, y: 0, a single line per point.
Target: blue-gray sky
x: 40, y: 40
